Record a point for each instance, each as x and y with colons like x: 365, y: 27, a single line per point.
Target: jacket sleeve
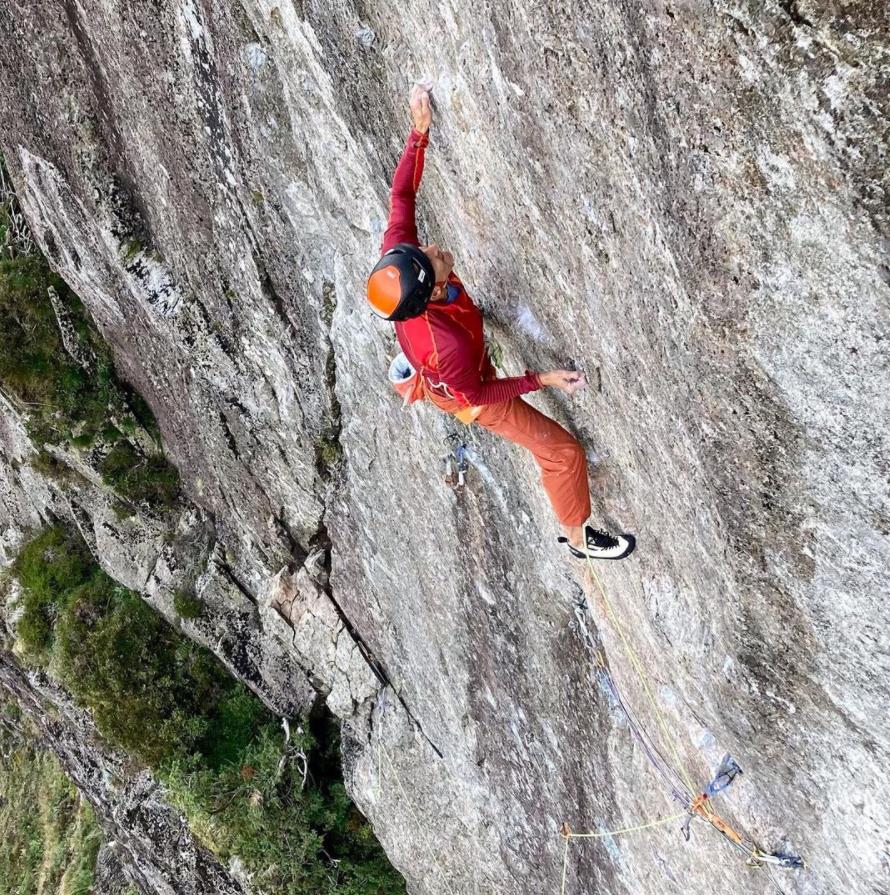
x: 402, y: 226
x: 457, y: 371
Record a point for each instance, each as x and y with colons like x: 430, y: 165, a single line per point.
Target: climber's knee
x: 576, y: 454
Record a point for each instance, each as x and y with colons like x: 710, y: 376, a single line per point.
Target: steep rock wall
x: 686, y: 200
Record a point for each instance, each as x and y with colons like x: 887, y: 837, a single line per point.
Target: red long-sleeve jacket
x: 445, y: 344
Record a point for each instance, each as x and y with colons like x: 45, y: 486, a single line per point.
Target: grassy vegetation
x: 221, y: 754
x: 49, y: 834
x: 69, y: 402
x: 187, y: 605
x: 150, y: 479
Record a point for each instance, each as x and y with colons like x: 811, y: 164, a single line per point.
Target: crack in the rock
x: 322, y: 542
x: 229, y: 572
x: 328, y: 450
x: 792, y: 10
x: 298, y: 552
x: 229, y: 436
x: 271, y: 293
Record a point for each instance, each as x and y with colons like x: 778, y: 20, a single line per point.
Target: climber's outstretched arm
x: 402, y: 225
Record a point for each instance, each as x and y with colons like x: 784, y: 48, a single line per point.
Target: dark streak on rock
x: 229, y: 435
x: 124, y: 193
x: 329, y: 440
x: 792, y: 10
x: 272, y: 294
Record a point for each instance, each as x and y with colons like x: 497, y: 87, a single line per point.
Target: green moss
x: 139, y: 414
x: 151, y: 692
x: 53, y: 468
x: 131, y: 249
x: 121, y: 510
x: 64, y: 403
x: 327, y: 453
x: 140, y: 478
x: 187, y: 605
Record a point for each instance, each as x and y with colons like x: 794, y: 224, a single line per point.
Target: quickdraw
x: 457, y: 464
x: 694, y: 807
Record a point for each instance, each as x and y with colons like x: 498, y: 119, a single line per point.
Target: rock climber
x: 439, y: 329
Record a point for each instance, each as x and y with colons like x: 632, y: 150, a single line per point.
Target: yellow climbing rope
x: 699, y: 802
x: 568, y: 835
x: 665, y: 736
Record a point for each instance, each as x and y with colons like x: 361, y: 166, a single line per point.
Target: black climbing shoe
x: 602, y: 545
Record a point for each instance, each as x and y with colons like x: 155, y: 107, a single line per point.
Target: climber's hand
x: 568, y: 380
x: 419, y: 103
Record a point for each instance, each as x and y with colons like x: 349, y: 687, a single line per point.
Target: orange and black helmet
x: 401, y: 283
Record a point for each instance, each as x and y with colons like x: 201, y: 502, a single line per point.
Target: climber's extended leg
x: 559, y: 456
x: 563, y: 468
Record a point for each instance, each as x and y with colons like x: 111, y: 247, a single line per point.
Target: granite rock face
x: 688, y: 201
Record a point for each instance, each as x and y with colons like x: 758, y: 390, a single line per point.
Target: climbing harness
x: 674, y: 776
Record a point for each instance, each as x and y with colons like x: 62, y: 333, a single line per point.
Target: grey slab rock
x: 111, y: 871
x: 687, y: 200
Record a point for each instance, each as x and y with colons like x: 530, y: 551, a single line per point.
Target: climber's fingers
x: 567, y: 380
x: 572, y: 381
x: 416, y: 98
x: 419, y: 103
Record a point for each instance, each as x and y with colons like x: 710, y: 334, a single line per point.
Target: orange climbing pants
x: 558, y: 454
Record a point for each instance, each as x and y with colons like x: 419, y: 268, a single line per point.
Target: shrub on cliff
x: 62, y: 399
x: 151, y: 691
x: 49, y: 568
x: 303, y: 838
x: 172, y: 705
